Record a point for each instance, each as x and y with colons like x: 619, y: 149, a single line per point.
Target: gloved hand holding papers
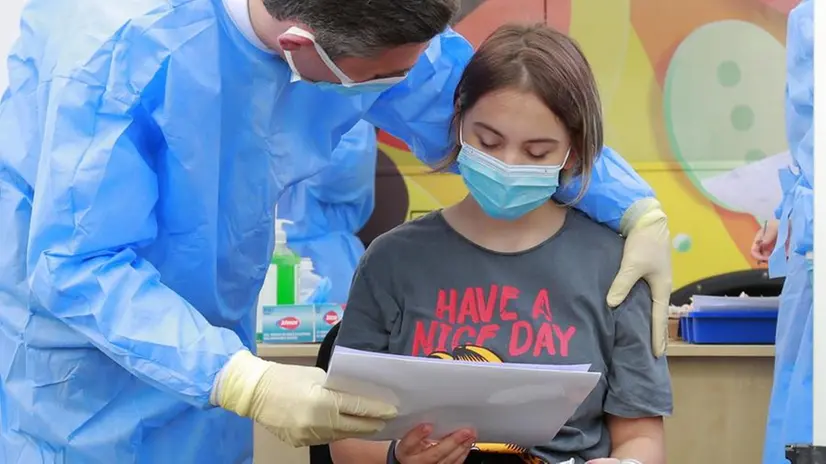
x: 523, y: 404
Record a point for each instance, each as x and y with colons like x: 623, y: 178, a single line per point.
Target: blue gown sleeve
x: 330, y: 208
x: 614, y: 187
x: 800, y: 88
x: 93, y: 210
x: 419, y: 110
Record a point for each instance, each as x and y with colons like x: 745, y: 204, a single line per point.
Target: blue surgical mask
x: 347, y: 85
x: 506, y: 191
x: 360, y: 88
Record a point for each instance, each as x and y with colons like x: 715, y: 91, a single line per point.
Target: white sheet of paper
x: 753, y: 188
x: 523, y: 404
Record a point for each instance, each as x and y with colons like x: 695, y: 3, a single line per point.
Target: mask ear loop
x: 345, y: 80
x: 295, y: 76
x: 565, y: 160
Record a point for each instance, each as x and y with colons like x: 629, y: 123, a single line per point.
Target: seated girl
x: 508, y: 275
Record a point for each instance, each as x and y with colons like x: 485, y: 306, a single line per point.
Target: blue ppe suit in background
x: 790, y: 411
x: 330, y: 208
x: 144, y: 147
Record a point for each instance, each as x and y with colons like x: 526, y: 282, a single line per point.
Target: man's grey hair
x: 364, y: 27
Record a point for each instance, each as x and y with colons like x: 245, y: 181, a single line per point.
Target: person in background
x: 528, y: 119
x: 144, y: 147
x: 788, y: 246
x: 329, y: 208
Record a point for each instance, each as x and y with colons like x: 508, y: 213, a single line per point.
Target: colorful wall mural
x: 693, y: 98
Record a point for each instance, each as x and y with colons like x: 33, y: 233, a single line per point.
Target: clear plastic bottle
x: 308, y: 280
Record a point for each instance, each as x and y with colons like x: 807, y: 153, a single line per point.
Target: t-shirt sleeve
x: 639, y: 384
x: 371, y: 310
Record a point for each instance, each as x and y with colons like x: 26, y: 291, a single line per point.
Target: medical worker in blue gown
x: 791, y: 239
x: 331, y: 207
x: 143, y: 147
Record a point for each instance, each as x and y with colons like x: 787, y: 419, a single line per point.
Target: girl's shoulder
x: 588, y: 240
x: 409, y: 238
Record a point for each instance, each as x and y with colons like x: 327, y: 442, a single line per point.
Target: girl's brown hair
x: 549, y: 64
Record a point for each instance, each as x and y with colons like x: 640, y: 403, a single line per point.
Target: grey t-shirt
x: 424, y: 290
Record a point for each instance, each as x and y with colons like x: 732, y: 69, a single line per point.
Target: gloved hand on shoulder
x: 647, y: 256
x: 292, y: 403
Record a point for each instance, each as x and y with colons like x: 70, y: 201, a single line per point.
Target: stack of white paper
x: 734, y: 303
x: 522, y: 404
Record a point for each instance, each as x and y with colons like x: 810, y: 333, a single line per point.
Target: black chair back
x: 321, y: 454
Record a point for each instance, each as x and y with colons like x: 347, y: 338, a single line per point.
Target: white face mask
x: 347, y: 85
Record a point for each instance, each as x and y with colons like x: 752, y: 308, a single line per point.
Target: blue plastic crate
x: 729, y: 327
x: 685, y: 330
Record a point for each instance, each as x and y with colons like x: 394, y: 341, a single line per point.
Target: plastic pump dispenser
x: 281, y: 235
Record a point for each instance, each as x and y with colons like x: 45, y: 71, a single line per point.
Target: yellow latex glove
x: 292, y: 403
x: 647, y: 256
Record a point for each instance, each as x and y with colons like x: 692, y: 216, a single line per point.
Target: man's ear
x: 292, y: 42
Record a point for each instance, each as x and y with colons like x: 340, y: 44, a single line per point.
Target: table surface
x: 675, y: 350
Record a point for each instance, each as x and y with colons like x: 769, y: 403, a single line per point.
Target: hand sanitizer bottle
x: 282, y: 279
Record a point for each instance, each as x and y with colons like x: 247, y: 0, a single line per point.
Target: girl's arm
x: 639, y: 385
x: 642, y: 439
x: 370, y: 314
x: 359, y: 452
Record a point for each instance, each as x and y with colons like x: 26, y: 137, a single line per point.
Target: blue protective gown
x: 144, y: 146
x: 790, y: 411
x: 330, y: 208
